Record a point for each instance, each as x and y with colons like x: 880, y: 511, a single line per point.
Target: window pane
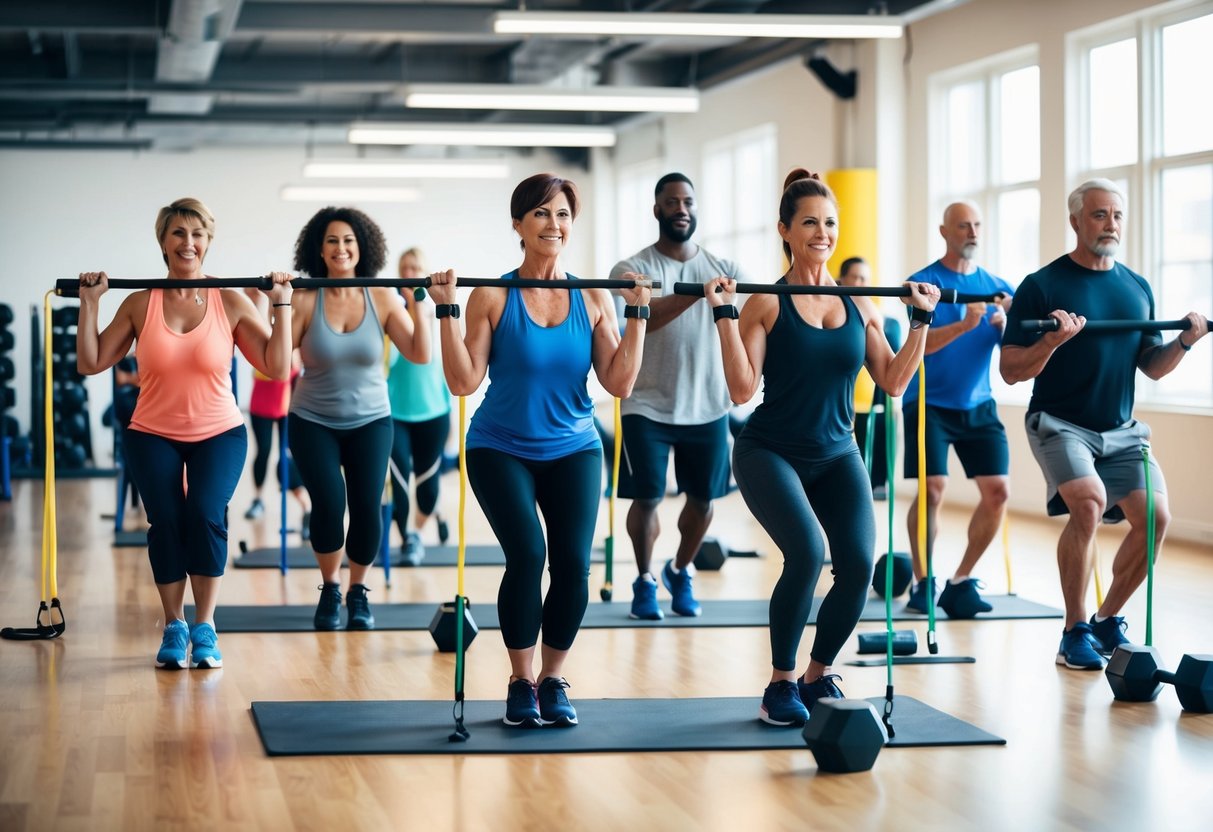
x: 635, y: 227
x: 1187, y: 287
x: 716, y: 208
x: 1018, y: 235
x: 964, y: 137
x: 753, y: 172
x: 1187, y: 214
x: 1187, y: 64
x: 1112, y: 138
x: 1019, y: 125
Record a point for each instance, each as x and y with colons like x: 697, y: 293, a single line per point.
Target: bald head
x: 960, y: 230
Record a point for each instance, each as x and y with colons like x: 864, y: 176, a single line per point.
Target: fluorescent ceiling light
x: 489, y: 135
x: 411, y: 169
x: 536, y: 97
x: 313, y: 193
x: 698, y: 25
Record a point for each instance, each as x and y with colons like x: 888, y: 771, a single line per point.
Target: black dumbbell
x: 905, y: 642
x: 845, y: 735
x: 7, y: 369
x: 6, y: 313
x: 67, y: 316
x: 903, y: 573
x: 442, y: 627
x: 1135, y: 674
x: 711, y: 555
x: 7, y: 340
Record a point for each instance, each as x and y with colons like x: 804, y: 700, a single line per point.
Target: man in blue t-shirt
x: 1080, y: 420
x: 960, y: 410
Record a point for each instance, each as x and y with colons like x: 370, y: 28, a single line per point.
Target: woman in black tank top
x: 796, y: 462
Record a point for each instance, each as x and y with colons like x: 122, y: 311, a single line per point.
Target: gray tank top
x: 343, y: 385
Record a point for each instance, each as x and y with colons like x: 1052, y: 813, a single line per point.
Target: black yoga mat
x: 301, y: 557
x: 635, y: 725
x: 135, y: 538
x: 745, y: 613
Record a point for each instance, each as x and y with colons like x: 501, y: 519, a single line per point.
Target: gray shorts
x: 1067, y: 452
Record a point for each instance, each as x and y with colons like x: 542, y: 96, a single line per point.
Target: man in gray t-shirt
x: 680, y: 402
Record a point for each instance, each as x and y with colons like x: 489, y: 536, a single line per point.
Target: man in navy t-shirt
x: 960, y: 410
x: 1080, y: 420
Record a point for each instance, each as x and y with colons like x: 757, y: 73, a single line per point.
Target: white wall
x: 67, y: 212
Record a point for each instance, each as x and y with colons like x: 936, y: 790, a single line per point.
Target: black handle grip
x: 1052, y: 325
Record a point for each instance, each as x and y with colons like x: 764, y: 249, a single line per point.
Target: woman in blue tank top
x: 796, y: 461
x: 340, y: 420
x: 532, y: 446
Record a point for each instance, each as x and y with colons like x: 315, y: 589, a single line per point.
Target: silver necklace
x: 197, y: 298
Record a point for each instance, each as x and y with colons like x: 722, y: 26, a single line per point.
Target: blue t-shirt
x: 958, y: 376
x: 537, y: 406
x: 1089, y: 380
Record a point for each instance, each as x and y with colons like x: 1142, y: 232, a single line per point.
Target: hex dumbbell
x: 845, y: 735
x: 1135, y: 674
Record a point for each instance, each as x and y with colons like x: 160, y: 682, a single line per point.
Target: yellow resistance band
x: 922, y: 467
x: 50, y: 543
x: 1006, y: 552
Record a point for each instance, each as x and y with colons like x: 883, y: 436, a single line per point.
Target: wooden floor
x: 92, y: 737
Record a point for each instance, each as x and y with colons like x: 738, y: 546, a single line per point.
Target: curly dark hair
x: 372, y: 247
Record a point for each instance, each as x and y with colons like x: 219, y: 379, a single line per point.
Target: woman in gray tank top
x: 340, y: 421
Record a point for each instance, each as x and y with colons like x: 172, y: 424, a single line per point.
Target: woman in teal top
x: 421, y: 421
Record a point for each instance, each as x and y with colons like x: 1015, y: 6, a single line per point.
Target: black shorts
x: 978, y: 436
x: 701, y: 458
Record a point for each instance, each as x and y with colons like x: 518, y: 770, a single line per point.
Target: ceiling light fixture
x: 334, y: 194
x: 486, y: 135
x: 698, y: 25
x: 536, y: 97
x: 411, y: 169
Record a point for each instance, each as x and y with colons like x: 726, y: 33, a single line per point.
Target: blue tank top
x: 342, y: 385
x: 809, y: 384
x: 537, y: 406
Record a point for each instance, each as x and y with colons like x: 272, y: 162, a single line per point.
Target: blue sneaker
x: 1109, y: 634
x: 328, y: 611
x: 204, y: 647
x: 823, y: 687
x: 781, y: 705
x: 679, y: 586
x: 554, y: 706
x: 644, y: 600
x: 413, y: 550
x: 962, y: 600
x: 521, y: 707
x: 172, y: 646
x: 918, y: 596
x: 1077, y: 649
x: 359, y: 609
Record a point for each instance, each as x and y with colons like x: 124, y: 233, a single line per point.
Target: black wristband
x: 921, y: 317
x: 728, y: 311
x: 446, y: 310
x: 641, y: 312
x: 1182, y: 345
x: 276, y: 305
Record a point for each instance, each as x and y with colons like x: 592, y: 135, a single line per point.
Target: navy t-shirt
x: 1089, y: 380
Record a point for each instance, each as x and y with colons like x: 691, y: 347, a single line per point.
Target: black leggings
x: 417, y: 446
x: 322, y: 454
x: 263, y: 434
x: 795, y: 499
x: 567, y: 491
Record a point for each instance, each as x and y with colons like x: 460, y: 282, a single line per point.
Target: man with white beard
x: 1080, y: 420
x: 960, y: 410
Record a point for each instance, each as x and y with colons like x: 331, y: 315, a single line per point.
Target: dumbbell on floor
x: 442, y: 627
x: 903, y: 573
x: 845, y: 735
x: 1135, y: 674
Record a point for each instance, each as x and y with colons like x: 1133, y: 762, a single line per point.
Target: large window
x: 1146, y: 126
x: 985, y: 148
x: 738, y: 205
x: 635, y: 226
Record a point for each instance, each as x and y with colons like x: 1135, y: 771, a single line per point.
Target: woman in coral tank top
x: 186, y: 442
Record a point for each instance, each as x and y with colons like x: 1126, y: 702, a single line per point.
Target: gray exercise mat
x: 301, y: 557
x: 136, y: 538
x: 743, y: 613
x: 633, y: 725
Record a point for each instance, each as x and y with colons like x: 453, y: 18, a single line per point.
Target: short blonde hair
x: 187, y: 208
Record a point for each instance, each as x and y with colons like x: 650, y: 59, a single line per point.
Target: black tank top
x: 809, y: 384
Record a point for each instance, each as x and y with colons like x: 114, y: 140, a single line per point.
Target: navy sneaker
x: 413, y: 549
x: 328, y: 611
x: 305, y: 527
x: 554, y: 706
x: 1077, y: 649
x: 359, y: 609
x: 172, y: 646
x: 918, y: 596
x: 204, y: 647
x: 962, y: 600
x: 521, y: 706
x: 1109, y: 634
x: 781, y: 705
x: 823, y: 687
x: 679, y: 586
x: 644, y: 600
x: 444, y: 531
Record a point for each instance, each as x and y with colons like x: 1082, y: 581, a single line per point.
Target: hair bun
x: 796, y: 175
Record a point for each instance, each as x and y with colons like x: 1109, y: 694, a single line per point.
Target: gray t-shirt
x: 681, y: 380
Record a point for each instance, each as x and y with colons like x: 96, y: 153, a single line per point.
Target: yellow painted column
x: 858, y: 234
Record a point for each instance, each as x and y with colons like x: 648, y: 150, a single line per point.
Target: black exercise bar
x: 71, y: 287
x: 1052, y: 325
x: 945, y: 295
